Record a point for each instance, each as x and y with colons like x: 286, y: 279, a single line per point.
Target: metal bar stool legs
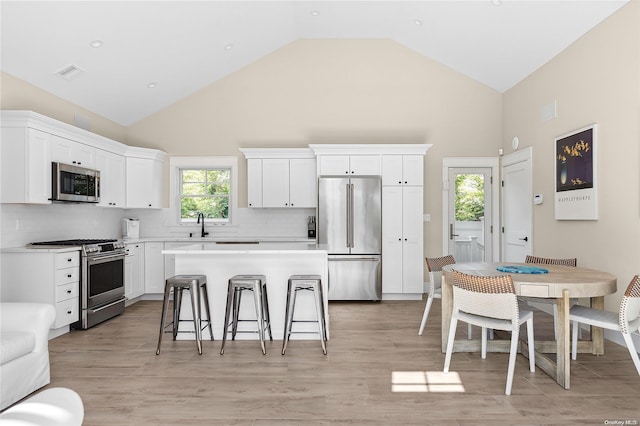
x: 197, y: 286
x: 311, y: 283
x: 258, y: 285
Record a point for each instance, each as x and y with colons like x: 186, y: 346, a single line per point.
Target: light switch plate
x: 427, y: 217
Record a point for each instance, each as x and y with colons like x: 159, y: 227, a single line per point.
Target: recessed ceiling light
x: 496, y: 2
x: 315, y: 12
x: 152, y: 85
x: 96, y: 43
x: 418, y: 22
x: 228, y: 46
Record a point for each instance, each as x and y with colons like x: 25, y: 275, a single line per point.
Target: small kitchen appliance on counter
x: 130, y: 228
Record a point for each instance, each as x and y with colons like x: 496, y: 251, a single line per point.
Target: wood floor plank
x: 378, y: 371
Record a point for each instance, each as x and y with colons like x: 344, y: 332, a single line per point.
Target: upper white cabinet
x: 402, y: 169
x: 281, y: 178
x: 112, y: 178
x: 25, y: 166
x: 349, y: 165
x: 30, y: 142
x: 144, y: 183
x: 71, y: 152
x: 254, y: 182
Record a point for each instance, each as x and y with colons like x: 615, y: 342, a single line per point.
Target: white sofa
x: 24, y: 349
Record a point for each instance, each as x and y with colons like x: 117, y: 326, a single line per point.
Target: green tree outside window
x: 204, y: 191
x: 469, y: 197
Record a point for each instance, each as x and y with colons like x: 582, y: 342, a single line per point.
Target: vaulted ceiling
x: 126, y: 60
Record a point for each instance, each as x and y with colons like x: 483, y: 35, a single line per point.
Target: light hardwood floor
x: 122, y: 382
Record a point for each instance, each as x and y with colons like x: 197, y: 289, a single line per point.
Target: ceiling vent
x: 70, y: 72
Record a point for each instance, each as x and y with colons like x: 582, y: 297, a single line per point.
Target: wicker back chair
x: 489, y: 302
x: 550, y: 261
x: 626, y: 320
x: 434, y: 266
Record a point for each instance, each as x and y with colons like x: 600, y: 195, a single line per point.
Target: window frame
x: 202, y: 163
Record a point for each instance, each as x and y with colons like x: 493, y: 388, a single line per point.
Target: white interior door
x: 470, y: 214
x: 517, y: 209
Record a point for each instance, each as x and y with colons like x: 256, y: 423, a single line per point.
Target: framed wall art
x: 575, y: 175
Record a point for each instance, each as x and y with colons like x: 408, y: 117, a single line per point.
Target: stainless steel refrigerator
x: 350, y: 225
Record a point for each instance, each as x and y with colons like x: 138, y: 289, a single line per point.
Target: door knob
x: 524, y: 239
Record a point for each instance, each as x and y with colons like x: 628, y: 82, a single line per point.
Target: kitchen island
x: 277, y: 261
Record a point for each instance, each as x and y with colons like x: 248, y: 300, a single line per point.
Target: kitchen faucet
x: 201, y: 216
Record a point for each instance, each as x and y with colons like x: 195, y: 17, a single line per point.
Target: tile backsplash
x: 23, y: 224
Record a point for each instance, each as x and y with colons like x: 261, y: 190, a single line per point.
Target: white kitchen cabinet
x: 112, y: 178
x: 275, y: 182
x: 144, y: 183
x: 402, y: 169
x: 72, y: 152
x: 25, y: 166
x: 134, y: 284
x: 254, y: 182
x: 40, y: 276
x: 154, y: 270
x: 349, y: 165
x: 282, y: 182
x: 402, y: 239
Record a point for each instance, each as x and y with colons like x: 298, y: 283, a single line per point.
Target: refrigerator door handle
x: 348, y: 214
x: 353, y: 222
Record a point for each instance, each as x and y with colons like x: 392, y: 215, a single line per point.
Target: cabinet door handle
x: 69, y: 275
x: 69, y: 312
x: 69, y: 260
x: 69, y: 291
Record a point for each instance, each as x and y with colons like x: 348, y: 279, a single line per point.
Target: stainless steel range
x: 102, y: 283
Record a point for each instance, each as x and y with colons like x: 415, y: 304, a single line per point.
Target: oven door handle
x: 93, y: 311
x: 100, y: 259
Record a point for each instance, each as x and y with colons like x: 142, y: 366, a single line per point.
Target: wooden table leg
x: 597, y: 333
x: 563, y: 354
x: 447, y: 308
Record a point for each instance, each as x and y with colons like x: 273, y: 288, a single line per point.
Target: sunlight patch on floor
x: 426, y: 381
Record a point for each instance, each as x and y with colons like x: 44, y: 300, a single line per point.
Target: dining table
x: 562, y: 283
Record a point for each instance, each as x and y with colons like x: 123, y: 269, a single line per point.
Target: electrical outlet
x: 19, y: 224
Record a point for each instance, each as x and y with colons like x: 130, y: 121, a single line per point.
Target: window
x: 204, y: 191
x: 206, y: 185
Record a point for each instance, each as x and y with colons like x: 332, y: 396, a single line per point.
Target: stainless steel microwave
x: 74, y: 184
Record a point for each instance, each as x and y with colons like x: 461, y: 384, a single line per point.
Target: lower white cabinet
x: 134, y: 284
x: 154, y: 274
x: 402, y: 239
x: 44, y: 277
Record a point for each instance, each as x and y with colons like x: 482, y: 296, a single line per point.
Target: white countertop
x: 262, y: 248
x: 41, y: 249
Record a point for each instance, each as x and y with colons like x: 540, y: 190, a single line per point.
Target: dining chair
x: 434, y: 266
x: 626, y: 320
x: 489, y: 302
x: 545, y: 301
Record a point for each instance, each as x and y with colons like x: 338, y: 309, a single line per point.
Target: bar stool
x: 311, y: 283
x: 197, y: 286
x: 258, y: 285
